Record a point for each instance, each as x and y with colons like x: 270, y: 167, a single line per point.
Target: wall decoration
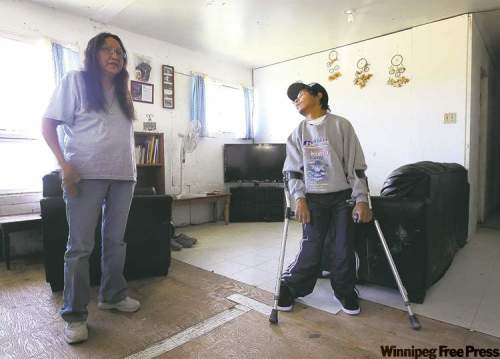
x: 141, y: 91
x: 396, y: 70
x: 333, y: 68
x: 168, y: 86
x: 362, y: 75
x: 142, y: 68
x: 149, y: 124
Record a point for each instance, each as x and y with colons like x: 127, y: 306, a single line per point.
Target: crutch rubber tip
x: 273, y: 318
x: 415, y: 324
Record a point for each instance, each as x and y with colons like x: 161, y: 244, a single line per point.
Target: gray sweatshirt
x: 327, y: 153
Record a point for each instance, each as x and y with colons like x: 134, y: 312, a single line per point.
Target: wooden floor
x: 30, y: 326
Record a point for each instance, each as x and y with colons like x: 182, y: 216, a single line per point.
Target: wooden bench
x: 16, y: 223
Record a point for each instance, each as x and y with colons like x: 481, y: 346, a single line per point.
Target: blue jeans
x: 82, y: 212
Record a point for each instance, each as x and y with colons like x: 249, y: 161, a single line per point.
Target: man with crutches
x: 325, y: 168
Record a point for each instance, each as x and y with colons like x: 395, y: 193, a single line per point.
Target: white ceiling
x: 260, y: 32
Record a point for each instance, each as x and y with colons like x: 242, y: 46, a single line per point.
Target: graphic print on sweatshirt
x: 316, y: 163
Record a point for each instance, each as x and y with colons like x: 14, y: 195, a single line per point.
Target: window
x: 225, y: 110
x: 27, y: 84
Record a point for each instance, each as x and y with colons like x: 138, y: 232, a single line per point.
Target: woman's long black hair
x: 92, y: 75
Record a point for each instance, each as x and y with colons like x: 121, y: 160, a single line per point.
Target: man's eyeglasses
x: 111, y: 50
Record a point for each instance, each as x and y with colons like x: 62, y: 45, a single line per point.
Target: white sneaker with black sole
x: 127, y: 305
x: 75, y: 332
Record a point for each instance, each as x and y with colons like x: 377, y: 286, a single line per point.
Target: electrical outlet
x: 450, y: 117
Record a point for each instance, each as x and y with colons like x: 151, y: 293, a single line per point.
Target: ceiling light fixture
x: 350, y: 15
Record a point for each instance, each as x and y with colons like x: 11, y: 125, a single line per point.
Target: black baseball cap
x: 314, y: 87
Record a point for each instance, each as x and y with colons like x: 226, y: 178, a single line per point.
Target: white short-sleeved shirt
x: 99, y: 144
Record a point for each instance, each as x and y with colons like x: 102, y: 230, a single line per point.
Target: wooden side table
x: 16, y: 223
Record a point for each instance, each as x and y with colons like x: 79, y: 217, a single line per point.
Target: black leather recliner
x: 147, y: 236
x: 423, y: 211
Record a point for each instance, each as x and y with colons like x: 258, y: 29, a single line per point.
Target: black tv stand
x: 258, y: 203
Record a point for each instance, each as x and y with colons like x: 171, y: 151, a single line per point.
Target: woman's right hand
x: 70, y: 179
x: 302, y: 213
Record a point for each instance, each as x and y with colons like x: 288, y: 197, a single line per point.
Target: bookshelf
x: 149, y: 155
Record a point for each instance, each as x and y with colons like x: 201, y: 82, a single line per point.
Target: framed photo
x: 168, y: 86
x: 142, y: 92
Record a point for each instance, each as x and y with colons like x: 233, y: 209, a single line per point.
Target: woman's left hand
x: 362, y: 213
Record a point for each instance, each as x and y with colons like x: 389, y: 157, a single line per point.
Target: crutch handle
x: 355, y: 218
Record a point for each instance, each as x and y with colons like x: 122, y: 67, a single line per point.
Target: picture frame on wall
x: 168, y: 86
x: 142, y: 92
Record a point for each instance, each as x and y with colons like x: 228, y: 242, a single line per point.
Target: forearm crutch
x: 415, y: 324
x: 273, y: 318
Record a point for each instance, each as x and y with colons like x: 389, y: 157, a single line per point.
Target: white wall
x: 477, y: 139
x: 396, y: 126
x: 204, y: 168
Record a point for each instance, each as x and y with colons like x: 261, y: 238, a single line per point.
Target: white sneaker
x: 128, y: 305
x: 75, y: 332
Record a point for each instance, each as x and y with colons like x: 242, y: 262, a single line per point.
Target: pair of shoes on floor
x: 127, y: 305
x: 75, y: 332
x: 180, y: 241
x: 184, y: 240
x: 174, y: 245
x: 350, y: 303
x: 286, y: 300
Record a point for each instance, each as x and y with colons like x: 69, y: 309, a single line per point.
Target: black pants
x: 329, y: 211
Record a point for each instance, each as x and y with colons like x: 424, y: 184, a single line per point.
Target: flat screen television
x: 254, y: 162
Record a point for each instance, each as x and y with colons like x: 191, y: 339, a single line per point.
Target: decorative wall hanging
x: 168, y: 86
x: 333, y: 68
x: 149, y: 124
x: 362, y: 74
x: 396, y: 70
x: 142, y: 68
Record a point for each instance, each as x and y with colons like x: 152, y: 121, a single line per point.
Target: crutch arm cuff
x: 362, y: 198
x: 292, y: 175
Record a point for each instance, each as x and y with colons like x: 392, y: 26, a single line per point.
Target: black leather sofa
x: 147, y: 235
x: 423, y: 212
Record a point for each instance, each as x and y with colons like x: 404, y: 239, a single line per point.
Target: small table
x: 16, y: 223
x: 214, y: 198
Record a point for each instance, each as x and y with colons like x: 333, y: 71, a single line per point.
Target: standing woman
x: 98, y: 174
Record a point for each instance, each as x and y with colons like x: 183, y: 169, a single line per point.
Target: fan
x: 189, y: 141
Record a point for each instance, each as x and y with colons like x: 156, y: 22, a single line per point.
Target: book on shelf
x: 147, y: 153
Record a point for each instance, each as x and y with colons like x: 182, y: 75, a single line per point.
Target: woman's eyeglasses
x: 111, y: 50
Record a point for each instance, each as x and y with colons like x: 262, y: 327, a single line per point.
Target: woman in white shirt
x: 95, y: 110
